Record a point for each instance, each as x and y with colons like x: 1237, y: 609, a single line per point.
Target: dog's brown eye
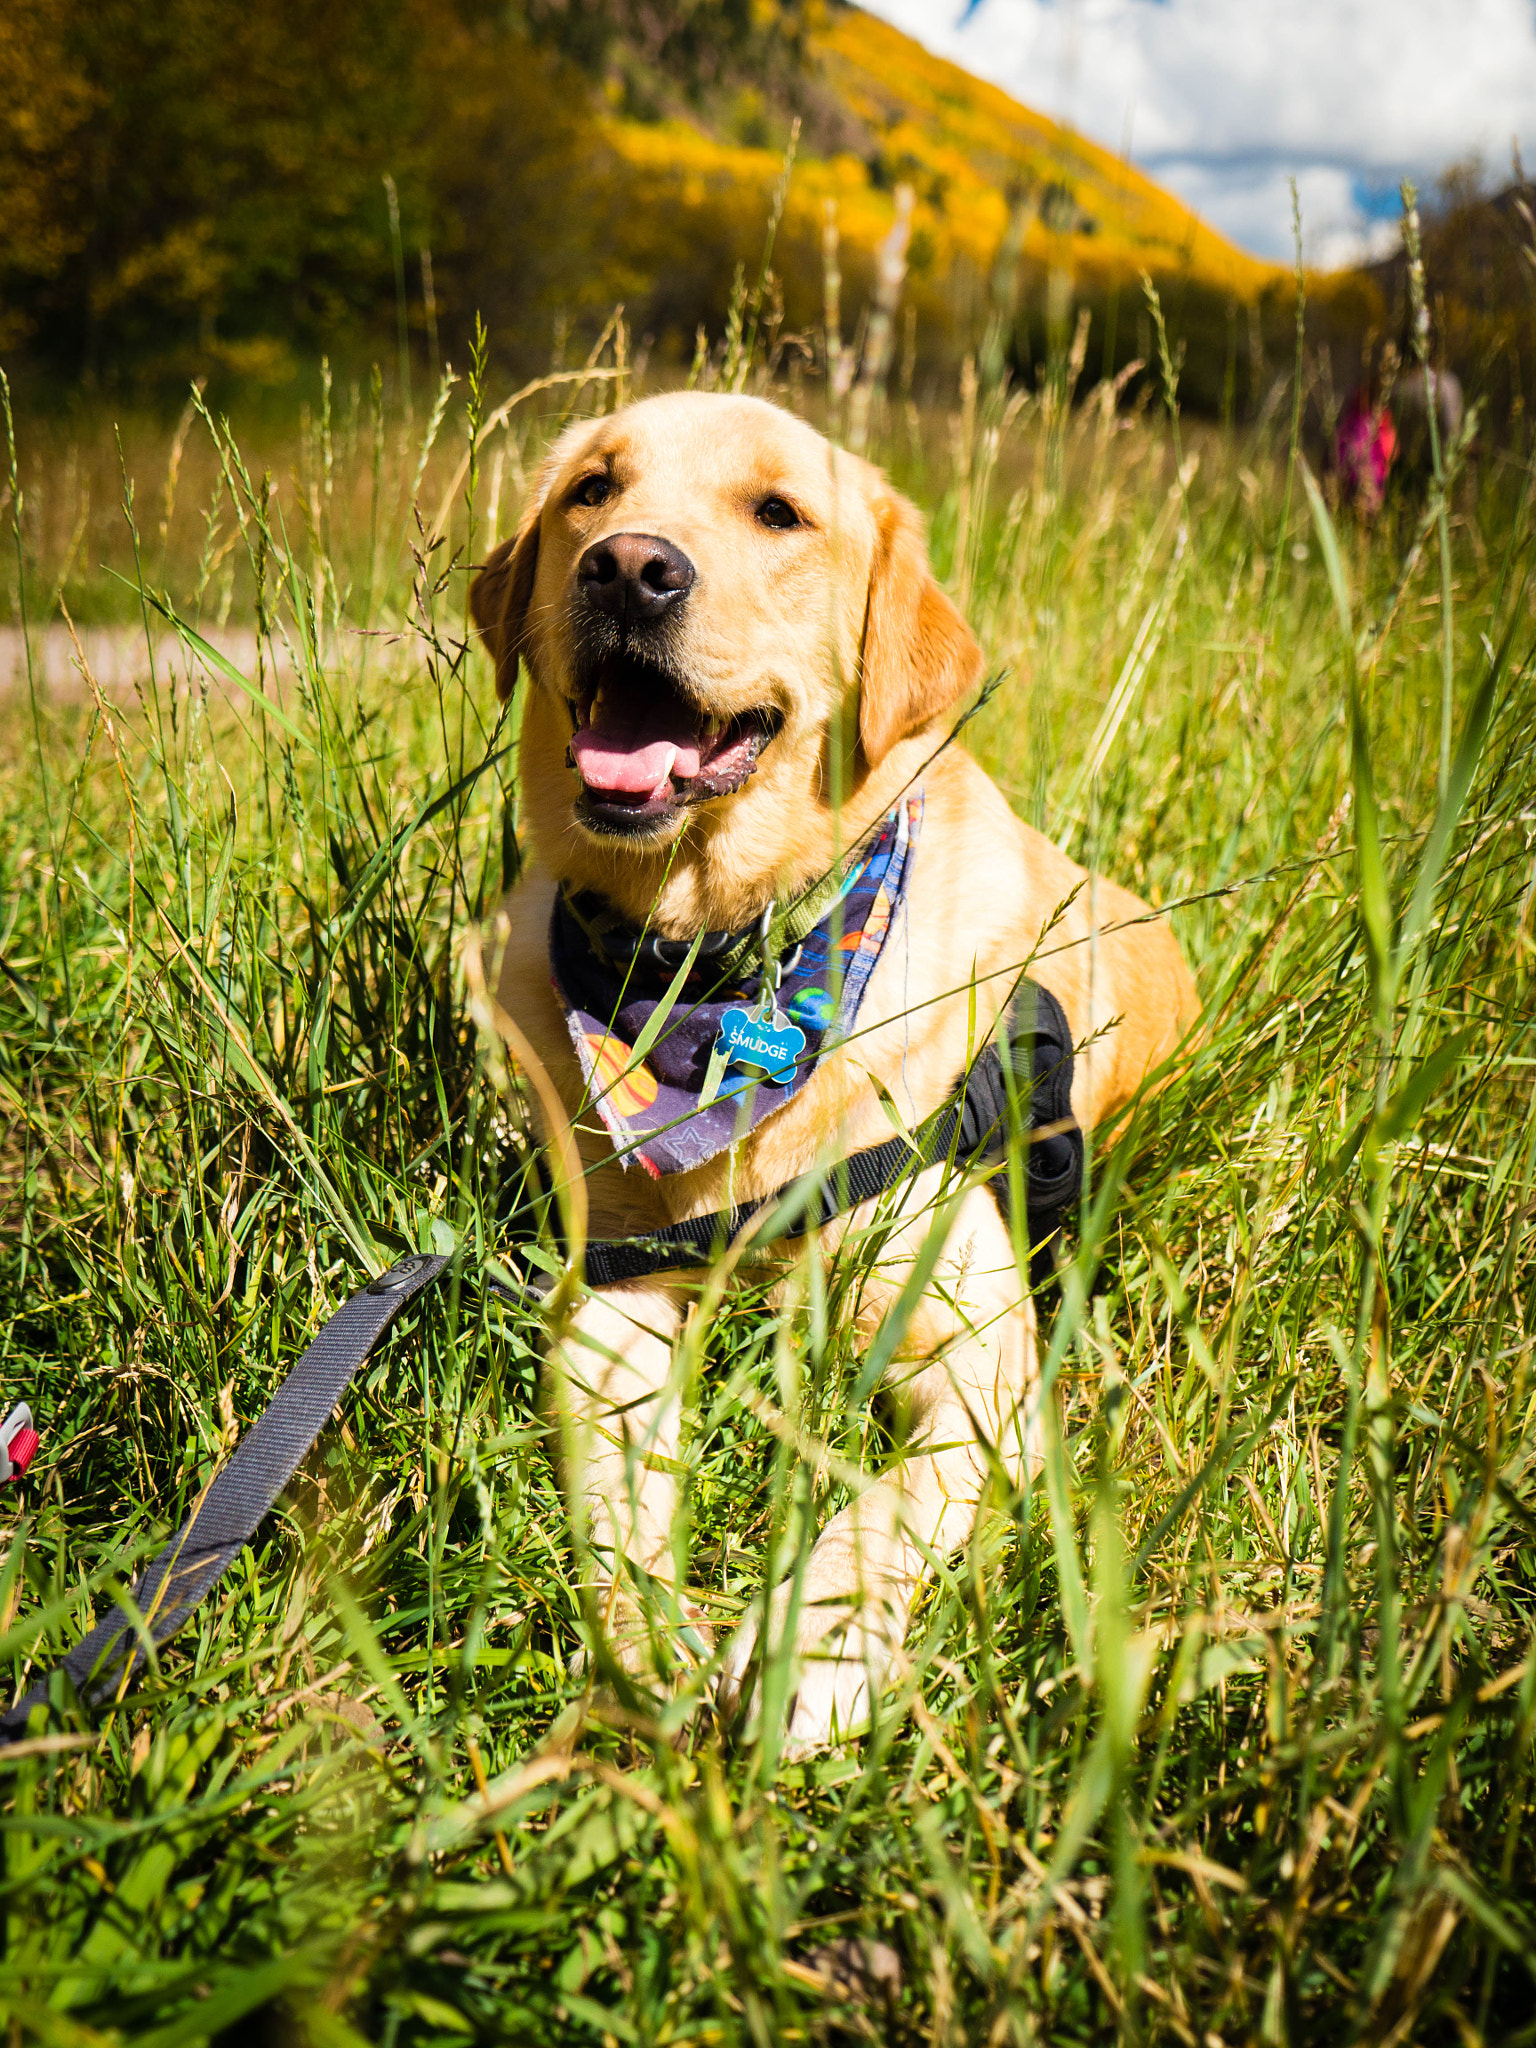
x: 774, y: 512
x: 592, y: 490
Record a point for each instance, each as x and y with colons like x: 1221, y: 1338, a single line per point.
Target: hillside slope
x: 964, y: 144
x: 988, y: 174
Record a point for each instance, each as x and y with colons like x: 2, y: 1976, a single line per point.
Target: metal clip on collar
x: 774, y: 969
x: 773, y: 973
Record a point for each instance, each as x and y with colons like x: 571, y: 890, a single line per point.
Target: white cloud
x: 1223, y: 100
x: 1251, y: 203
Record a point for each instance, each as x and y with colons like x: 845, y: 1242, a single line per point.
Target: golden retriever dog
x: 739, y: 663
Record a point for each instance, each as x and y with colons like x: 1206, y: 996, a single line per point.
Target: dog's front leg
x: 613, y: 1394
x: 962, y: 1379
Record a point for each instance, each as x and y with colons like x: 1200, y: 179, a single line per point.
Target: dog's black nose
x: 634, y: 576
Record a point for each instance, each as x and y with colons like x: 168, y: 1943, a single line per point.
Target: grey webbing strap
x: 240, y: 1495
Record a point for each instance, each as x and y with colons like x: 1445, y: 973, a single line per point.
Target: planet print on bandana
x: 627, y: 1089
x: 811, y: 1009
x: 655, y: 1109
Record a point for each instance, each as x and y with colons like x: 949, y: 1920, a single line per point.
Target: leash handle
x: 238, y: 1497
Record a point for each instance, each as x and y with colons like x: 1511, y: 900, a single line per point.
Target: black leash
x: 971, y: 1126
x: 238, y: 1497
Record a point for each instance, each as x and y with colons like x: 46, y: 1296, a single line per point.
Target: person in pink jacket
x: 1364, y: 450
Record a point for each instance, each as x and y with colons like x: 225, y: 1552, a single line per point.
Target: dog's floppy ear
x: 500, y: 596
x: 920, y: 656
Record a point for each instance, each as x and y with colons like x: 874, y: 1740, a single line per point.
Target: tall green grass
x: 1219, y: 1732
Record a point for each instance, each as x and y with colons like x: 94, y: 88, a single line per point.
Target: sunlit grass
x: 1223, y: 1731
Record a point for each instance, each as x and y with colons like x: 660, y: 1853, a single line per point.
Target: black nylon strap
x: 240, y: 1495
x: 676, y: 1246
x: 972, y: 1125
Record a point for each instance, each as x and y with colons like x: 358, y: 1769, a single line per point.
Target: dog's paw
x: 652, y: 1645
x: 834, y: 1698
x: 838, y: 1664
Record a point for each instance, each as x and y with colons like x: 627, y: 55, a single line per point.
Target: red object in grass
x: 18, y: 1442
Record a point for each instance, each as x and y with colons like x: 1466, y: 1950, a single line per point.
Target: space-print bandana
x: 653, y: 1107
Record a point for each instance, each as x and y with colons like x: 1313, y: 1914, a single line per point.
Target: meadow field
x: 1220, y: 1732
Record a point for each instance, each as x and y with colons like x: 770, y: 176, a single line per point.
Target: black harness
x: 1032, y: 1084
x: 1024, y: 1083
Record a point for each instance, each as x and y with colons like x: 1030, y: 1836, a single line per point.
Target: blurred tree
x: 1480, y: 272
x: 44, y: 103
x: 227, y: 180
x: 695, y: 43
x: 195, y: 183
x: 1480, y: 266
x: 530, y: 206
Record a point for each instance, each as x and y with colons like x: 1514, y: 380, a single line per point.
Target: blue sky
x: 1224, y: 101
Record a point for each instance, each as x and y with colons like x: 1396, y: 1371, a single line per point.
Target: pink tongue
x: 636, y: 753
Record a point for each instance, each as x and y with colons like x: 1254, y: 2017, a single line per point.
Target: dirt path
x: 117, y: 657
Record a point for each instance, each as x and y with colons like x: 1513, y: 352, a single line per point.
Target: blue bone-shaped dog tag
x: 749, y: 1040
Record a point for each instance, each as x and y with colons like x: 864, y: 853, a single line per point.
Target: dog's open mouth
x: 643, y: 748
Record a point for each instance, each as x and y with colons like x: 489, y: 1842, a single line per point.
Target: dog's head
x: 696, y: 586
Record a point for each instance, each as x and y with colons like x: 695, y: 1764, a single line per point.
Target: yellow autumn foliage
x: 940, y: 120
x: 965, y: 147
x: 973, y: 157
